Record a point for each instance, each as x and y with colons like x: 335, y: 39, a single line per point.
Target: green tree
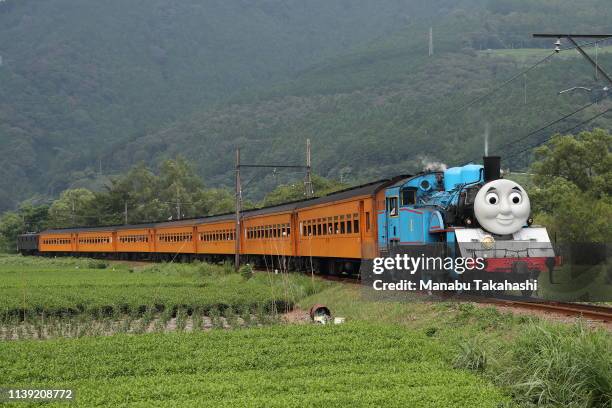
x: 138, y: 190
x: 176, y: 192
x: 573, y: 186
x: 295, y: 191
x: 74, y: 207
x: 11, y: 225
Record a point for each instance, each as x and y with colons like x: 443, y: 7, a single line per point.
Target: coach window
x: 342, y: 227
x: 367, y: 214
x: 349, y: 224
x: 336, y: 226
x: 288, y: 230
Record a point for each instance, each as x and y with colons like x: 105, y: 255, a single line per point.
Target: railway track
x: 587, y: 311
x: 591, y: 312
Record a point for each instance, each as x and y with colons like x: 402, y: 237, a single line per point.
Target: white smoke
x: 486, y: 139
x: 431, y: 165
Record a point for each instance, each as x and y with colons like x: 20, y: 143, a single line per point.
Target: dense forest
x: 89, y: 89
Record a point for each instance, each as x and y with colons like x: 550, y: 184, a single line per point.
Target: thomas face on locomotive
x: 502, y: 207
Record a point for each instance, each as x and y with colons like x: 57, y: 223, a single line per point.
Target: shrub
x: 561, y: 366
x: 246, y: 271
x: 471, y: 356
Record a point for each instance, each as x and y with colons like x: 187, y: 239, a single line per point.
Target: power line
x: 547, y: 125
x: 524, y: 72
x: 497, y: 88
x: 568, y: 130
x: 533, y: 132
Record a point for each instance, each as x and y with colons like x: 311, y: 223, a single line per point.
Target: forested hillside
x: 87, y: 89
x: 77, y: 76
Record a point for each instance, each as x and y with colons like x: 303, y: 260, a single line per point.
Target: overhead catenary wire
x: 548, y: 124
x: 518, y: 75
x: 554, y: 122
x: 503, y: 84
x: 565, y: 131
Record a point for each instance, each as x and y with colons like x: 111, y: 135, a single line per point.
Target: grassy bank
x: 538, y: 363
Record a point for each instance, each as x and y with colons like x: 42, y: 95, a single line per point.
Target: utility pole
x: 178, y: 204
x: 308, y: 182
x: 238, y: 203
x: 571, y: 37
x: 431, y: 49
x: 238, y: 192
x: 125, y: 213
x: 596, y: 61
x: 525, y: 88
x: 73, y: 212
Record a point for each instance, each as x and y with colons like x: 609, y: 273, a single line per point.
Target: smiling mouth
x: 504, y: 220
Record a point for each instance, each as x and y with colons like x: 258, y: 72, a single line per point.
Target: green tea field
x: 34, y: 287
x: 199, y: 335
x: 281, y: 366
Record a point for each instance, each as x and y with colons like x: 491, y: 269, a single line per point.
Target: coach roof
x: 357, y: 191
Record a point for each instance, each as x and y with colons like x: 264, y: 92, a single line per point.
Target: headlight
x: 488, y: 242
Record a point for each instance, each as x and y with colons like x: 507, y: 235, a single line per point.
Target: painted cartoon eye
x: 492, y: 198
x: 516, y: 198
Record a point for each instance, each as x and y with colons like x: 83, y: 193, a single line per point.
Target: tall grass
x: 569, y: 366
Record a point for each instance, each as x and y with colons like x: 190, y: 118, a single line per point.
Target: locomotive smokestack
x: 492, y: 166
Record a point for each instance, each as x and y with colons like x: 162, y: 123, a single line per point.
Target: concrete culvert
x: 320, y: 313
